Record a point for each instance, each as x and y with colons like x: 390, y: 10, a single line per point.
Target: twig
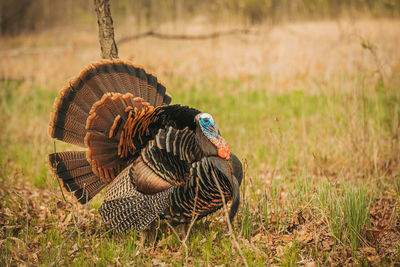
x: 73, y: 209
x: 62, y: 245
x: 244, y: 180
x: 53, y: 187
x: 62, y: 192
x: 27, y: 215
x: 54, y: 176
x: 65, y: 200
x: 228, y: 221
x: 367, y: 45
x: 325, y: 218
x: 76, y: 224
x: 180, y: 240
x: 173, y: 230
x: 181, y: 36
x: 153, y: 246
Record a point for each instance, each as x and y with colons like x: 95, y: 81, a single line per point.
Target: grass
x: 319, y: 138
x: 347, y: 214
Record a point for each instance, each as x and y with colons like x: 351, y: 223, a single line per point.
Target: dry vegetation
x: 313, y: 109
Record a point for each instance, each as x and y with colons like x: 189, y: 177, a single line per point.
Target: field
x: 312, y: 109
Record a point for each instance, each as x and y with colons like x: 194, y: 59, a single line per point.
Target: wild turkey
x: 158, y: 160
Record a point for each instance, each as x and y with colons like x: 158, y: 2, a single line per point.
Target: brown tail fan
x: 112, y: 123
x: 73, y: 107
x: 91, y: 113
x: 75, y: 174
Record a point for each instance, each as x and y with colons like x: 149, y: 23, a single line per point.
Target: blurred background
x: 284, y: 38
x: 24, y: 16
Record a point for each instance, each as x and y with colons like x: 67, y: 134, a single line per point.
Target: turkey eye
x: 205, y: 120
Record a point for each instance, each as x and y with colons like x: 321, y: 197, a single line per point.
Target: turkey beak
x: 235, y: 198
x: 214, y: 130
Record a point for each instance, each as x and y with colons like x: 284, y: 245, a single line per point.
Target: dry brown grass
x: 325, y: 50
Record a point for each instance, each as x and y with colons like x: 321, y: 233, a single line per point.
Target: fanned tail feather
x: 90, y: 112
x: 73, y: 107
x: 110, y: 133
x: 75, y: 174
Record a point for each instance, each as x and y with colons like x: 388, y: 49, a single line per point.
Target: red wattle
x: 224, y: 152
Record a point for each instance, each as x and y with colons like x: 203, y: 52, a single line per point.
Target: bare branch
x: 106, y: 29
x: 181, y: 36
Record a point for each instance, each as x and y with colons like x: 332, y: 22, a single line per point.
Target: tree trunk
x: 106, y: 29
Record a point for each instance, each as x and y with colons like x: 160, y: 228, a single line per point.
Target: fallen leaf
x: 257, y: 238
x: 368, y: 250
x: 287, y: 238
x: 304, y: 237
x: 280, y: 250
x: 310, y: 264
x: 327, y: 244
